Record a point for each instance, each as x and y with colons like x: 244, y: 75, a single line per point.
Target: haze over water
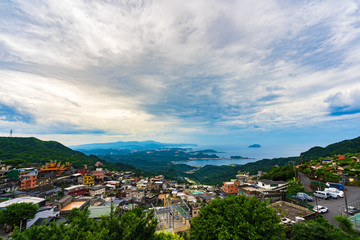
x: 255, y: 154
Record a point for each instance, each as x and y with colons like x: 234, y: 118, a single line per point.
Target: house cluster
x: 273, y: 191
x: 338, y: 165
x: 247, y: 185
x: 58, y: 189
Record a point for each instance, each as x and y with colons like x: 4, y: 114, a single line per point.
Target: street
x: 334, y: 205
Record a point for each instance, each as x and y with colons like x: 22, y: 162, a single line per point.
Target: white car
x: 336, y: 191
x: 320, y: 209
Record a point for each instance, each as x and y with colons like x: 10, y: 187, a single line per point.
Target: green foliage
x: 343, y: 147
x: 216, y: 175
x: 294, y: 187
x: 236, y: 217
x: 284, y: 173
x: 319, y: 230
x: 167, y: 236
x: 135, y: 224
x: 345, y: 225
x: 17, y: 212
x: 18, y: 150
x: 326, y: 175
x: 14, y: 162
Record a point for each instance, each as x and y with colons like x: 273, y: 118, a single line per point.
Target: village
x: 58, y: 188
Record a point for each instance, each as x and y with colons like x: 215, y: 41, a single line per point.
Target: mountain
x: 346, y: 146
x: 33, y: 150
x: 131, y: 145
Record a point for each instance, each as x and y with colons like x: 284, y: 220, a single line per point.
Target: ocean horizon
x: 251, y: 154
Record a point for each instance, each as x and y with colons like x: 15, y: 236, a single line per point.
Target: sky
x: 204, y: 72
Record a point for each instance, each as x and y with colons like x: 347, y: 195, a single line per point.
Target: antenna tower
x: 11, y: 132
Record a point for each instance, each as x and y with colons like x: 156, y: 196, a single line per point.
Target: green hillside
x: 33, y: 150
x: 346, y: 146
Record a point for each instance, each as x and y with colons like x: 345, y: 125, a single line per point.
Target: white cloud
x: 160, y: 67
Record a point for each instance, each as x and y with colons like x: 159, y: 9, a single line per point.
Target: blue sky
x: 206, y: 72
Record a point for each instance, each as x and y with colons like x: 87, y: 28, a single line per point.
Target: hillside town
x: 59, y: 188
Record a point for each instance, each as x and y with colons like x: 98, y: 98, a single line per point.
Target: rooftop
x: 34, y: 200
x: 73, y: 205
x: 74, y: 187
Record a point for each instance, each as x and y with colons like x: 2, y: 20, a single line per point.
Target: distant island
x: 255, y: 146
x: 240, y: 157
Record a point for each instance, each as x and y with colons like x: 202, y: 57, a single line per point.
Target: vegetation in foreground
x: 235, y: 217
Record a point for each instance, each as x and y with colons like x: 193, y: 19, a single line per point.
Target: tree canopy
x: 294, y: 187
x: 135, y: 224
x: 236, y: 217
x: 17, y: 212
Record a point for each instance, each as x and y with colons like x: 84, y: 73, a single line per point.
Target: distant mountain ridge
x: 33, y: 150
x: 346, y: 146
x: 130, y: 145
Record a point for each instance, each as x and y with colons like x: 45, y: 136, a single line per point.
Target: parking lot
x: 334, y: 205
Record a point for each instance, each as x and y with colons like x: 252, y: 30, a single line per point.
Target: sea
x: 251, y: 154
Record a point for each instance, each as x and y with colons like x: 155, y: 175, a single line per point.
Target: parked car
x: 322, y: 194
x: 336, y: 191
x: 320, y: 209
x: 332, y: 195
x: 352, y: 210
x: 335, y: 185
x: 303, y: 197
x: 287, y: 221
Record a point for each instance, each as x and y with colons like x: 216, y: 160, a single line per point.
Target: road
x: 334, y: 205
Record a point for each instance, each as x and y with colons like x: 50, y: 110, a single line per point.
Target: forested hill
x: 346, y: 146
x: 33, y: 150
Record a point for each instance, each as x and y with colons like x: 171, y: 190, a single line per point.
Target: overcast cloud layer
x: 179, y: 71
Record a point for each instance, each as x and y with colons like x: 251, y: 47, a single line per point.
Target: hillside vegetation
x: 32, y: 150
x: 343, y: 147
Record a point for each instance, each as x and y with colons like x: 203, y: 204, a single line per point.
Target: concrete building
x: 88, y: 180
x: 78, y: 190
x: 230, y: 188
x: 28, y: 179
x: 38, y: 201
x: 270, y: 184
x: 97, y: 190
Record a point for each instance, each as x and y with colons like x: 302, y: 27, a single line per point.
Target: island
x: 255, y: 146
x: 240, y: 157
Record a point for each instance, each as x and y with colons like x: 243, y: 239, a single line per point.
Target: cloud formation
x: 156, y: 69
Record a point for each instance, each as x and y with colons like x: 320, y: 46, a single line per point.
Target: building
x: 270, y: 184
x: 78, y: 190
x: 28, y: 179
x: 97, y: 190
x: 98, y: 175
x: 35, y: 200
x: 328, y: 160
x: 14, y: 174
x: 83, y: 171
x: 88, y: 180
x: 230, y: 188
x: 53, y: 166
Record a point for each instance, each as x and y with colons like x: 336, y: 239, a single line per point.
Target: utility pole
x: 345, y: 198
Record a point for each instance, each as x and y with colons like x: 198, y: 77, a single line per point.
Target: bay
x: 254, y: 154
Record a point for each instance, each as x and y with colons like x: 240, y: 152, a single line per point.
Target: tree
x: 236, y: 217
x: 134, y: 224
x: 320, y: 230
x: 345, y: 225
x: 294, y: 187
x: 17, y: 213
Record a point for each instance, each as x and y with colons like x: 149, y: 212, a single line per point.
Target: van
x: 336, y: 191
x: 321, y: 194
